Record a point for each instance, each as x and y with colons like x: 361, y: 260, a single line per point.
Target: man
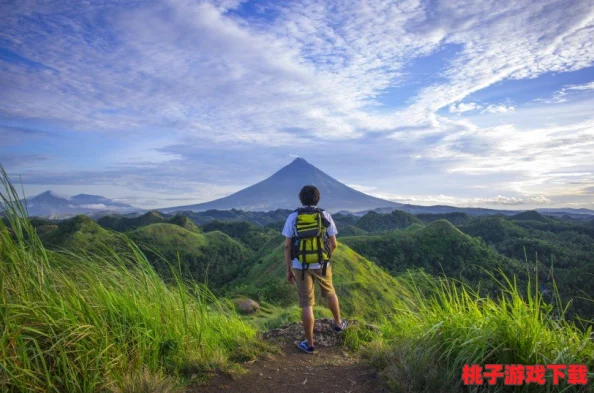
x: 304, y: 275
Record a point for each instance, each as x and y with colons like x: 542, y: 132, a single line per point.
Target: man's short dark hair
x: 309, y: 196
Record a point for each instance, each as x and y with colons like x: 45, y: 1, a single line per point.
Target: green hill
x: 212, y: 257
x: 413, y: 228
x: 439, y: 248
x: 531, y: 215
x: 492, y: 229
x: 122, y: 224
x: 364, y: 289
x: 351, y: 230
x: 255, y: 217
x: 250, y: 235
x: 44, y: 229
x: 344, y: 220
x: 455, y: 218
x: 375, y: 222
x: 566, y: 247
x: 79, y: 233
x: 185, y: 223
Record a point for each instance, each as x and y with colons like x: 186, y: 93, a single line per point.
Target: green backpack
x: 311, y: 245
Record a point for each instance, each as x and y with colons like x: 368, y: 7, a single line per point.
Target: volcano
x: 51, y: 204
x: 281, y: 191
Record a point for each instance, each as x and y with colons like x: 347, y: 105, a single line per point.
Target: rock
x: 324, y: 335
x: 246, y: 306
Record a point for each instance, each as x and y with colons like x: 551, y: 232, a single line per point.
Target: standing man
x: 310, y: 236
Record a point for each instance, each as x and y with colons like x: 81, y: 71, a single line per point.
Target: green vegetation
x: 364, y: 289
x: 376, y: 222
x: 250, y: 235
x: 454, y: 218
x: 351, y: 230
x: 81, y: 322
x: 531, y: 215
x: 257, y: 218
x: 185, y: 223
x: 80, y: 233
x: 212, y: 257
x: 84, y: 309
x: 440, y: 326
x: 344, y: 220
x: 123, y: 223
x: 440, y: 248
x: 565, y: 250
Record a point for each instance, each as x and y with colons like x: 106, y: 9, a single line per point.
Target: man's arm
x: 288, y: 260
x: 333, y: 244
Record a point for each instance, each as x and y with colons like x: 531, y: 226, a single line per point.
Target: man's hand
x: 290, y: 277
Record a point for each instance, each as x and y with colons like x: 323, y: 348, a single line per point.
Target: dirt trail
x: 329, y: 370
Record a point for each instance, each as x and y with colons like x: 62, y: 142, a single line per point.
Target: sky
x: 167, y: 103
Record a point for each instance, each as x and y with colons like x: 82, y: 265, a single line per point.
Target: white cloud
x: 562, y: 95
x: 314, y: 71
x: 94, y: 206
x: 364, y: 189
x: 462, y: 107
x: 193, y: 68
x: 499, y: 108
x: 586, y: 86
x: 499, y: 200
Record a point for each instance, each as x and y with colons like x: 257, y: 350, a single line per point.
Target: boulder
x: 246, y: 306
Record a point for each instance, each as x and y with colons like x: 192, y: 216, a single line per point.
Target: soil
x: 331, y: 369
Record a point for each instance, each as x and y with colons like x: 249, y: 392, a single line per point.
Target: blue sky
x: 460, y: 102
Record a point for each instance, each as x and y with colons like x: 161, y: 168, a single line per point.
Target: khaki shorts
x: 305, y: 287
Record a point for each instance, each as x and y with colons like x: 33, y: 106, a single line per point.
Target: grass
x: 441, y: 325
x: 364, y: 289
x: 103, y: 320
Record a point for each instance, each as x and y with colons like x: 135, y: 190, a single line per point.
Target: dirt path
x: 329, y: 370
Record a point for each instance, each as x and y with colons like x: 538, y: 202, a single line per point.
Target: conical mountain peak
x: 281, y: 191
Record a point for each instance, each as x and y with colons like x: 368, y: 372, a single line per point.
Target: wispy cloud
x: 499, y: 109
x: 495, y: 201
x: 282, y: 74
x: 463, y: 107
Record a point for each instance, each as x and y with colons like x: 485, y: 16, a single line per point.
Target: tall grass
x: 442, y: 325
x: 74, y: 322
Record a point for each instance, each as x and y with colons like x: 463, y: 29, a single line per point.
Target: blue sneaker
x: 305, y: 348
x: 340, y: 328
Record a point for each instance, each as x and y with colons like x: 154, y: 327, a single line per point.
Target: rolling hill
x: 364, y: 289
x: 122, y: 223
x: 439, y: 248
x: 78, y: 234
x: 375, y: 222
x: 212, y: 257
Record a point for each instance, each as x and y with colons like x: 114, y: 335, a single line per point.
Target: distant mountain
x: 477, y: 211
x: 52, y: 204
x: 281, y: 191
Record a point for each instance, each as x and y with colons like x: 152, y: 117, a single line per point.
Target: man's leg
x: 335, y: 308
x: 307, y: 318
x: 306, y: 302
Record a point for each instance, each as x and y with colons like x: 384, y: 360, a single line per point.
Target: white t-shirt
x: 290, y: 231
